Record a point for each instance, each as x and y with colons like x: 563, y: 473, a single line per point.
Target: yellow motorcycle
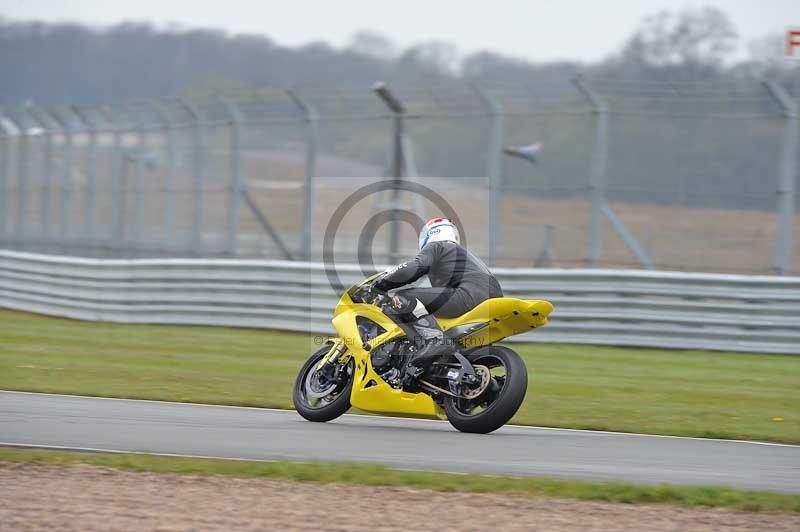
x: 478, y: 389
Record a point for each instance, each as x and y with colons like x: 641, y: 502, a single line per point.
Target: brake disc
x: 315, y: 386
x: 486, y: 378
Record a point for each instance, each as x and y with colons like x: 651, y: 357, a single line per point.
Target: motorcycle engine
x: 388, y: 360
x: 386, y: 356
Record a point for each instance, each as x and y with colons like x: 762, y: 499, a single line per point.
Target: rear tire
x: 332, y: 405
x: 504, y: 402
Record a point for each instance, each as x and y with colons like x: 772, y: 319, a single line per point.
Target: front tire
x: 498, y: 404
x: 318, y: 397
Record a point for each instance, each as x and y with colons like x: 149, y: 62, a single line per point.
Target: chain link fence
x: 680, y: 176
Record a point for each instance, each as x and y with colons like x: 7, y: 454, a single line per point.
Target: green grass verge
x: 375, y: 475
x: 688, y: 393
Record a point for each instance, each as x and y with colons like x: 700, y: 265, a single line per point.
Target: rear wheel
x: 500, y: 399
x: 325, y: 394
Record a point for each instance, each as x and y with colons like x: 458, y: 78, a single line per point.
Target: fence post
x: 597, y: 185
x: 65, y: 196
x: 90, y: 163
x: 239, y: 188
x: 46, y: 122
x: 311, y: 117
x: 5, y: 171
x: 117, y: 180
x: 495, y: 165
x: 134, y: 158
x: 597, y: 171
x: 22, y: 182
x: 169, y: 185
x: 235, y: 183
x: 198, y: 169
x: 786, y: 179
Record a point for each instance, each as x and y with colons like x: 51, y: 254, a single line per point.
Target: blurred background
x: 660, y: 136
x: 177, y: 180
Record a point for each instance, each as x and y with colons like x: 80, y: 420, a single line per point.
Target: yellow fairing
x: 380, y: 397
x: 503, y: 316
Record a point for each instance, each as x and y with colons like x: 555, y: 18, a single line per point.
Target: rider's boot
x: 432, y: 344
x: 429, y: 339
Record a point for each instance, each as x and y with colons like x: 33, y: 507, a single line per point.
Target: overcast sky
x: 530, y: 29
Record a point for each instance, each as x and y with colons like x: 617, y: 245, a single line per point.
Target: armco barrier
x: 612, y: 307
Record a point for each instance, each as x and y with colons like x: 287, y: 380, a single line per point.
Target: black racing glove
x: 371, y: 295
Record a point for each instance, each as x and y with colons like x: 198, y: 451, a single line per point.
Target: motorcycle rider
x: 459, y: 282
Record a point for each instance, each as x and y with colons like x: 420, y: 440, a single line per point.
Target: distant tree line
x: 669, y: 159
x: 72, y: 63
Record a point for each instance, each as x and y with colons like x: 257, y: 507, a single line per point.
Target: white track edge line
x: 23, y: 445
x: 390, y: 418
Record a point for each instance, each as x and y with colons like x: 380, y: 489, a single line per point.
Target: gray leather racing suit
x: 459, y: 280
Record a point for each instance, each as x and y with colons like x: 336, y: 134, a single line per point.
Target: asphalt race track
x: 251, y: 433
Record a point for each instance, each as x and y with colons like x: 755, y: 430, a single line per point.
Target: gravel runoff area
x: 83, y: 497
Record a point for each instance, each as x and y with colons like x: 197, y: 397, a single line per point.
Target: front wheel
x: 325, y: 394
x: 501, y: 398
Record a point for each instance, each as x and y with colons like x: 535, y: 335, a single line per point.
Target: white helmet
x: 438, y: 230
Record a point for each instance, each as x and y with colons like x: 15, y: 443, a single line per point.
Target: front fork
x: 336, y: 351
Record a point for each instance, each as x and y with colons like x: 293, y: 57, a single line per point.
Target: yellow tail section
x: 502, y: 316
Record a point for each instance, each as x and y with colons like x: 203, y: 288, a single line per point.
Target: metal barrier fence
x: 613, y: 307
x: 681, y: 176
